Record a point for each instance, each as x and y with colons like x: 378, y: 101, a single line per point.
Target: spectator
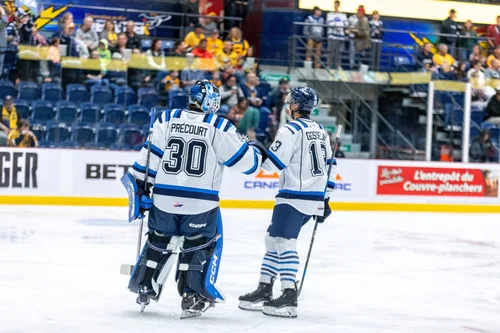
x: 461, y: 72
x: 103, y: 52
x: 22, y: 136
x: 190, y: 74
x: 230, y: 93
x: 156, y: 59
x: 493, y: 109
x: 201, y: 50
x: 4, y: 22
x: 215, y: 45
x: 216, y: 78
x: 313, y: 30
x: 278, y: 95
x: 443, y: 59
x: 425, y: 57
x: 109, y: 33
x: 227, y: 58
x: 337, y: 23
x: 476, y: 72
x: 9, y: 113
x: 285, y: 115
x: 248, y: 63
x: 468, y: 39
x: 450, y: 27
x: 192, y: 9
x: 4, y: 132
x: 376, y: 27
x: 54, y: 59
x: 65, y: 20
x: 96, y: 76
x: 493, y: 72
x: 477, y: 55
x: 87, y: 35
x: 172, y: 81
x: 19, y: 31
x: 240, y: 45
x: 193, y: 38
x: 244, y: 117
x: 338, y: 153
x: 138, y: 78
x: 493, y: 32
x: 252, y: 93
x: 361, y: 31
x: 495, y: 55
x: 37, y: 38
x: 177, y: 50
x: 121, y: 47
x: 133, y: 40
x: 210, y: 23
x: 481, y: 149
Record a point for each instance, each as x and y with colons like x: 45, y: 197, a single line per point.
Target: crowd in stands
x: 33, y: 87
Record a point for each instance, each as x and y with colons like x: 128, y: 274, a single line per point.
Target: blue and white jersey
x: 189, y: 150
x: 301, y: 151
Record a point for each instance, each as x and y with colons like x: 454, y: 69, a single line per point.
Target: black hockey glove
x: 326, y: 212
x: 260, y: 147
x: 145, y: 202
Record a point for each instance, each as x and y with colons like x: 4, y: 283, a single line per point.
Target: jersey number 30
x: 190, y: 157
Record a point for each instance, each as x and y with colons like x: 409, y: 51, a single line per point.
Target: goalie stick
x: 330, y: 164
x: 127, y: 269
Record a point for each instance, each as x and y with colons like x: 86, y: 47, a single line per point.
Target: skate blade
x: 190, y: 314
x: 249, y: 306
x: 284, y: 312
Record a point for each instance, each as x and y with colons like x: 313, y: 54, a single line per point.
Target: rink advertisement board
x: 432, y: 181
x: 86, y: 177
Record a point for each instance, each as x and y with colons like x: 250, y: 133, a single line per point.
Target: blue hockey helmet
x: 306, y: 98
x: 205, y: 96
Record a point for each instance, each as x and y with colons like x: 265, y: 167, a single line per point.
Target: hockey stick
x: 330, y: 164
x: 150, y: 138
x: 126, y: 269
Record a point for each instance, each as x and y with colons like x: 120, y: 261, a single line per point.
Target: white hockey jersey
x: 189, y: 150
x: 338, y: 23
x: 301, y: 151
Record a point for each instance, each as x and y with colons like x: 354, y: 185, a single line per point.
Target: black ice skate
x: 283, y: 306
x: 143, y: 298
x: 253, y: 301
x: 193, y: 305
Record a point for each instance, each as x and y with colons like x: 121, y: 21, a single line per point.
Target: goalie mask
x: 205, y: 96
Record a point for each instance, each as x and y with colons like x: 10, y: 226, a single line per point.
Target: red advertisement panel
x: 428, y: 181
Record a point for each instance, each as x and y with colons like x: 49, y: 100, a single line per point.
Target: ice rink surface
x: 370, y: 272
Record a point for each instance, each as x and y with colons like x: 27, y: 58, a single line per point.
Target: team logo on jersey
x: 178, y: 205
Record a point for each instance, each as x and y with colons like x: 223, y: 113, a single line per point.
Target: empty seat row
x: 81, y: 134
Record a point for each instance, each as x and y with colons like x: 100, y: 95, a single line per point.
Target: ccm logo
x: 197, y: 226
x: 213, y: 270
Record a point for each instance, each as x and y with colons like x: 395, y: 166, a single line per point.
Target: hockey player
x: 300, y: 152
x: 189, y: 149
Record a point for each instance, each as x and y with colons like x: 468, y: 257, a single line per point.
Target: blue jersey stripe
x: 289, y: 270
x: 142, y: 169
x: 302, y: 123
x: 300, y: 196
x: 276, y: 161
x: 186, y: 192
x: 288, y: 128
x: 272, y: 260
x: 255, y: 163
x: 177, y: 113
x: 237, y: 156
x: 167, y: 115
x: 288, y: 252
x: 297, y: 127
x: 154, y: 149
x: 331, y: 185
x: 218, y: 122
x: 228, y: 126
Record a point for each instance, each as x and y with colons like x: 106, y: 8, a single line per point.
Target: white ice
x: 370, y: 272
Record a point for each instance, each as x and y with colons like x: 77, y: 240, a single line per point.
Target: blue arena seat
x: 114, y: 113
x: 57, y: 132
x: 148, y: 97
x: 83, y: 133
x: 90, y: 112
x: 28, y: 91
x: 130, y: 135
x: 22, y: 108
x: 76, y: 93
x: 66, y: 112
x: 101, y: 95
x: 43, y: 111
x: 106, y: 134
x: 52, y: 92
x: 125, y: 96
x: 6, y: 89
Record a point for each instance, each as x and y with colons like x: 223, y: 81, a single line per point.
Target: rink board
x: 91, y: 178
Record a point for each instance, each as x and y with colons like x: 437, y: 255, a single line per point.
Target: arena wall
x: 85, y: 177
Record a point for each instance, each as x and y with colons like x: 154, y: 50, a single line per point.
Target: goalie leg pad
x: 157, y: 259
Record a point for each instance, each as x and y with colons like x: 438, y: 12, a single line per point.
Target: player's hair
x: 203, y: 40
x: 21, y: 123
